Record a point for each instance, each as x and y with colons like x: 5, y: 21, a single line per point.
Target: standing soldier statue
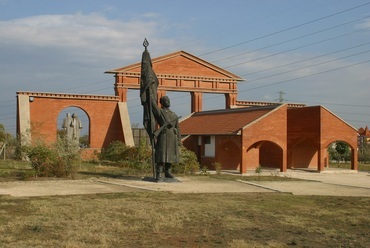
x: 166, y: 139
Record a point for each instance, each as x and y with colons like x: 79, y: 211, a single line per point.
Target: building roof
x: 180, y: 63
x: 223, y: 122
x: 364, y: 131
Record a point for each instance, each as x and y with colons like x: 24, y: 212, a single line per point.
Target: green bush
x: 52, y: 161
x: 116, y: 151
x: 136, y: 158
x: 188, y: 162
x: 140, y: 158
x: 218, y: 167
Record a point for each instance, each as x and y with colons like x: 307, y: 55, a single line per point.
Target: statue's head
x: 74, y: 115
x: 165, y: 101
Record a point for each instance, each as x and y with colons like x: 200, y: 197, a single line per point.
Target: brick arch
x: 354, y: 152
x: 107, y: 116
x: 80, y: 108
x: 266, y: 153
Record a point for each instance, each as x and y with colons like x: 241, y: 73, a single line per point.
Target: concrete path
x: 335, y: 184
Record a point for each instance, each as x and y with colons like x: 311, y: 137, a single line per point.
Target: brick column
x: 119, y: 90
x: 230, y: 100
x: 196, y: 101
x: 354, y: 157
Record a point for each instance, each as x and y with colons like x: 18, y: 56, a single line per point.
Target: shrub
x: 115, y: 151
x: 52, y: 161
x: 218, y: 167
x: 136, y: 158
x: 258, y: 170
x: 188, y: 162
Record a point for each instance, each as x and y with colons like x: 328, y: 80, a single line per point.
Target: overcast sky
x: 315, y: 51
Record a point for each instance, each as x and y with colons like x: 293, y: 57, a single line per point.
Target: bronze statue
x: 166, y: 139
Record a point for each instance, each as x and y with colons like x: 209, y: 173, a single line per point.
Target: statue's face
x: 166, y: 102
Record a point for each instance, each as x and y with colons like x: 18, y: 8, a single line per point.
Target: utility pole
x: 281, y: 98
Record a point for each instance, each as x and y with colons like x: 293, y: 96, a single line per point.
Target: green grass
x: 361, y: 166
x: 161, y: 219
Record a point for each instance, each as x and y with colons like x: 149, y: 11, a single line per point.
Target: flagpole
x: 151, y: 126
x: 151, y: 136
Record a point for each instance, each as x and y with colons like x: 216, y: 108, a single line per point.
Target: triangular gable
x: 222, y: 122
x: 181, y: 63
x: 337, y: 117
x: 264, y: 116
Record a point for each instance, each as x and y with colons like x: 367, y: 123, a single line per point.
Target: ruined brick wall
x: 103, y: 114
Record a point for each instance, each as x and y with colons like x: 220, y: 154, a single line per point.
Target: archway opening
x: 265, y: 154
x: 271, y: 155
x: 74, y: 123
x: 339, y: 155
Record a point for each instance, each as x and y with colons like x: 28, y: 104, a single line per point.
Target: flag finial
x: 145, y: 43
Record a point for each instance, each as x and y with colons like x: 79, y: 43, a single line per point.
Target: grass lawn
x: 361, y: 166
x: 160, y: 219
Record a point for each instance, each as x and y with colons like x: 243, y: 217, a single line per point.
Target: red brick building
x: 241, y: 137
x: 271, y: 136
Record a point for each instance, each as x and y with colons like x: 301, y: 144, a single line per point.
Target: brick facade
x: 259, y: 133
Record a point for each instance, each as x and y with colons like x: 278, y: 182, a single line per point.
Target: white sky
x: 316, y: 51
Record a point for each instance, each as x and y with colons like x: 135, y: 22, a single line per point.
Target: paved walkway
x: 337, y: 184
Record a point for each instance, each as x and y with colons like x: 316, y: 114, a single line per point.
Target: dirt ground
x: 336, y: 183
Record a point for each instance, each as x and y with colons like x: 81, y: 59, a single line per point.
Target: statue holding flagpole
x: 165, y: 140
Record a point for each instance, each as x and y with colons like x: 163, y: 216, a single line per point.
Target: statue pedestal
x: 164, y: 180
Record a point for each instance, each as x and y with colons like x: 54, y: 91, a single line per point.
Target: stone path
x: 336, y: 184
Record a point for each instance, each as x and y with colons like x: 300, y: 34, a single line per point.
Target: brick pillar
x: 354, y: 162
x: 284, y: 164
x: 230, y: 100
x: 119, y: 90
x: 196, y: 101
x: 321, y: 159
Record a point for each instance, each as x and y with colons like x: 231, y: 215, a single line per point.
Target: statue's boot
x: 167, y: 171
x: 158, y: 173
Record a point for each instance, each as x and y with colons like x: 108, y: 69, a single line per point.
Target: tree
x: 4, y: 136
x: 364, y: 153
x: 342, y: 148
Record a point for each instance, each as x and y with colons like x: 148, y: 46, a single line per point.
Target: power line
x: 305, y: 67
x: 336, y: 104
x: 287, y: 29
x: 304, y: 60
x: 310, y: 75
x: 283, y: 42
x: 296, y: 48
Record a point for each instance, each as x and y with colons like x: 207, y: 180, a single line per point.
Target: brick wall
x: 104, y: 119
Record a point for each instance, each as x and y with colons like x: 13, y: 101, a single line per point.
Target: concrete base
x: 164, y: 180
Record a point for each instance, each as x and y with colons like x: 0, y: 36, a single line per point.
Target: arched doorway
x: 269, y: 154
x: 84, y: 129
x: 339, y: 155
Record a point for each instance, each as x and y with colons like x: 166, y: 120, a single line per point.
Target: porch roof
x: 222, y: 122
